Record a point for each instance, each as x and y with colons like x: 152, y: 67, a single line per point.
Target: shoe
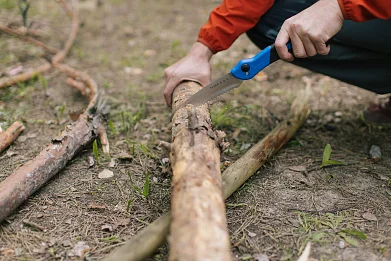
x: 378, y: 114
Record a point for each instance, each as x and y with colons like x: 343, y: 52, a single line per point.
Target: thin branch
x: 29, y: 39
x: 8, y: 136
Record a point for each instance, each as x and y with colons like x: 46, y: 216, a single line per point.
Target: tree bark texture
x: 199, y: 226
x: 233, y: 177
x: 8, y: 136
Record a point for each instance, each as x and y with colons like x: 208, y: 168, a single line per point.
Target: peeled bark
x: 8, y: 136
x: 199, y: 226
x: 233, y: 177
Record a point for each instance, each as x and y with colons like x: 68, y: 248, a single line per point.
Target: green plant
x: 24, y: 6
x: 146, y: 186
x: 326, y: 158
x: 95, y: 151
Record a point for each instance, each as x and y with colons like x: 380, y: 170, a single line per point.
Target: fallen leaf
x: 105, y: 174
x: 97, y: 206
x: 68, y: 221
x: 261, y: 257
x: 251, y: 234
x: 66, y: 243
x: 15, y: 71
x: 8, y: 252
x: 122, y: 222
x: 245, y: 146
x: 11, y: 153
x: 306, y: 253
x: 22, y: 138
x: 124, y: 156
x: 107, y: 227
x: 81, y: 248
x: 299, y: 168
x: 369, y: 216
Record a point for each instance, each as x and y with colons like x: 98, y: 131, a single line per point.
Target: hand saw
x: 246, y: 69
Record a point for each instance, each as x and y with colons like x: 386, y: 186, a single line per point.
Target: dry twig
x: 8, y: 136
x: 58, y: 58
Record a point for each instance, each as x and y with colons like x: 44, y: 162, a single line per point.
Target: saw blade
x: 213, y: 90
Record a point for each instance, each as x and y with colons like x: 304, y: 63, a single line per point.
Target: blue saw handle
x: 248, y: 68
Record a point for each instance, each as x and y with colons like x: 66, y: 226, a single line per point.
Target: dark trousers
x: 360, y: 53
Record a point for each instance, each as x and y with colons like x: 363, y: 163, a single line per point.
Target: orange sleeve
x: 363, y: 10
x: 231, y: 19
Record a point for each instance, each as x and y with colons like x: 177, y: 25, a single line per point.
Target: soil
x: 344, y: 210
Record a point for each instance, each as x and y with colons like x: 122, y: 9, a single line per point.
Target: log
x: 27, y: 179
x: 199, y: 226
x: 232, y: 179
x: 8, y: 136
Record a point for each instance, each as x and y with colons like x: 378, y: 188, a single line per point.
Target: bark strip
x: 8, y: 136
x: 199, y: 226
x: 233, y: 177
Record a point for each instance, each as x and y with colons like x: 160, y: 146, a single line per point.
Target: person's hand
x: 309, y: 30
x: 194, y: 67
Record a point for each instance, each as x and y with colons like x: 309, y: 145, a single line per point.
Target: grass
x: 327, y: 228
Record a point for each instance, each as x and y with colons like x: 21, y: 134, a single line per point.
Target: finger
x: 309, y: 47
x: 167, y: 93
x: 280, y: 44
x: 321, y: 47
x: 297, y: 43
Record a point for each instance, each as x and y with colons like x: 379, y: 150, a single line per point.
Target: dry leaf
x: 97, y: 206
x: 107, y: 227
x: 369, y: 216
x: 261, y: 257
x: 105, y: 174
x: 112, y: 163
x: 299, y: 168
x: 81, y: 249
x: 8, y: 252
x: 124, y: 156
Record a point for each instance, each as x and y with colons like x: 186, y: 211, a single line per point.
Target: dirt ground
x: 125, y: 46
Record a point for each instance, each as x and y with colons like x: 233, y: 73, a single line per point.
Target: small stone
x: 375, y: 153
x: 165, y: 160
x: 245, y: 146
x: 133, y: 71
x: 150, y: 53
x: 341, y: 244
x: 155, y: 179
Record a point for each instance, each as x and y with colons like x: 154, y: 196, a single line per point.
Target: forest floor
x: 125, y: 46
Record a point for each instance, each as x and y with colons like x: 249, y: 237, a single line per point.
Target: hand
x: 194, y: 67
x: 309, y: 30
